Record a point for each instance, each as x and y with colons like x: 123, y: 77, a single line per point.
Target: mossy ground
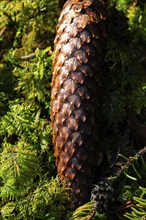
x: 29, y: 185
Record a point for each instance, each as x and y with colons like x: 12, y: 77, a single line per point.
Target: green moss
x: 29, y: 187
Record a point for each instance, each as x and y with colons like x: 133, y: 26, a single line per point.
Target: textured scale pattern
x: 76, y: 83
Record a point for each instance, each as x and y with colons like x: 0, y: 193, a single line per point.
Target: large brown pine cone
x: 76, y: 84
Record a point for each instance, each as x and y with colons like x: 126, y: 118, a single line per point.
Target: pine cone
x: 102, y: 195
x: 76, y: 85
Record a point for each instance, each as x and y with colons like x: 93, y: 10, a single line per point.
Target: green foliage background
x: 29, y: 187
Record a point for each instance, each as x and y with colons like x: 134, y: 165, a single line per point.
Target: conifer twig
x: 130, y: 161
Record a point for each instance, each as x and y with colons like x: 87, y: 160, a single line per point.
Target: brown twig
x: 28, y: 57
x: 2, y: 31
x: 124, y: 206
x: 117, y: 155
x: 92, y: 214
x: 135, y: 2
x: 127, y: 205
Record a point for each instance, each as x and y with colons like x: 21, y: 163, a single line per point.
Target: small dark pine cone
x: 102, y: 195
x: 76, y: 84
